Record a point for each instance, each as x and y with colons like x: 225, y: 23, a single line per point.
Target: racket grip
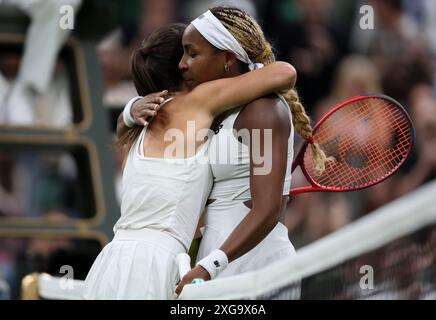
x: 183, y: 263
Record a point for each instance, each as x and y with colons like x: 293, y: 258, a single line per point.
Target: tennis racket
x: 369, y: 137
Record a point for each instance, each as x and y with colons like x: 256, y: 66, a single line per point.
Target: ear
x: 230, y: 58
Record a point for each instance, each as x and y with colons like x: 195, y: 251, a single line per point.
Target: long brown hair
x: 155, y: 68
x: 251, y: 37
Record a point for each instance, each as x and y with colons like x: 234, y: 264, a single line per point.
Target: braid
x: 301, y: 122
x: 251, y: 37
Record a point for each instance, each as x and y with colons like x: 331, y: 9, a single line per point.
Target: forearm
x: 231, y: 92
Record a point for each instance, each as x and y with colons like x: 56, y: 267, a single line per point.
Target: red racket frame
x: 315, y: 187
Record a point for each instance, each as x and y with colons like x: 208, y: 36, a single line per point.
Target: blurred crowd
x: 33, y: 184
x: 335, y: 59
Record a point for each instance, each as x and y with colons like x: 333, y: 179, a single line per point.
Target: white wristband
x: 214, y: 263
x: 127, y: 116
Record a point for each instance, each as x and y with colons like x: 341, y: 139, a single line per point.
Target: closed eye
x: 188, y: 49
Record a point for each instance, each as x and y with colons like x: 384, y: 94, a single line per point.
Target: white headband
x: 213, y: 30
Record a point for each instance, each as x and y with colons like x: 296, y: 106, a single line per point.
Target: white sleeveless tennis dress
x: 231, y: 188
x: 161, y: 203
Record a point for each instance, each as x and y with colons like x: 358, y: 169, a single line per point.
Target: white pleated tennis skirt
x: 135, y: 265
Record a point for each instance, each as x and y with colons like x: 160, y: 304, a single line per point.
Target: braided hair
x: 251, y: 37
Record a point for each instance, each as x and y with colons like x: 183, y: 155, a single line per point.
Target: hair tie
x: 310, y: 140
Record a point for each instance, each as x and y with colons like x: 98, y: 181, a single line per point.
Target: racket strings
x: 377, y: 160
x: 383, y: 157
x: 369, y: 139
x: 374, y: 150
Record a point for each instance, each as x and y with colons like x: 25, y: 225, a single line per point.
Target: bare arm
x: 264, y: 114
x: 220, y: 95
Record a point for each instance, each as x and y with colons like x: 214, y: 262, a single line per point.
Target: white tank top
x: 167, y: 195
x: 230, y: 161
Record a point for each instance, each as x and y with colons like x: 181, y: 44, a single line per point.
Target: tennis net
x: 388, y: 254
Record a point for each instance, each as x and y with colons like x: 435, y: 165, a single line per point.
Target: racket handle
x: 183, y: 263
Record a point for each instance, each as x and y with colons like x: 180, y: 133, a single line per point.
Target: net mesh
x: 402, y: 269
x: 388, y: 254
x: 368, y: 138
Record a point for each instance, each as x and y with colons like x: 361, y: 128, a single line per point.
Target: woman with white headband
x: 244, y: 228
x: 166, y: 179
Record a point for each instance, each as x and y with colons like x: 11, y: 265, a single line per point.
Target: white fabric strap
x: 214, y: 263
x: 213, y: 31
x: 127, y: 116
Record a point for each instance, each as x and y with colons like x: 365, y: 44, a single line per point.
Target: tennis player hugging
x: 214, y: 74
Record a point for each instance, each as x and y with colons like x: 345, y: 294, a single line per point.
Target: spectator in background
x: 39, y: 249
x: 9, y: 247
x: 10, y: 204
x: 378, y: 195
x: 401, y: 54
x: 392, y: 31
x: 429, y: 24
x: 33, y: 184
x: 422, y: 13
x: 114, y: 50
x: 44, y: 39
x: 5, y: 289
x: 354, y: 76
x: 193, y: 8
x: 51, y: 108
x: 407, y: 69
x: 54, y: 185
x: 423, y: 168
x: 313, y: 216
x: 307, y: 37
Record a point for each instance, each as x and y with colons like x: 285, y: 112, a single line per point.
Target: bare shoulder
x: 265, y: 113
